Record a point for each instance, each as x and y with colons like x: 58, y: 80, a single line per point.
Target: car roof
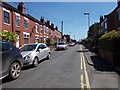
x: 4, y: 41
x: 35, y: 44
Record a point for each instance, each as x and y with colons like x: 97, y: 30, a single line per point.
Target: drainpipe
x: 12, y: 22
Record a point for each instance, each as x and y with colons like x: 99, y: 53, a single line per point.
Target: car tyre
x: 35, y: 62
x: 48, y: 56
x: 15, y: 70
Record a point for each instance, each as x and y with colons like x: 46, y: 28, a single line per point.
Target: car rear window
x: 61, y: 44
x: 4, y: 47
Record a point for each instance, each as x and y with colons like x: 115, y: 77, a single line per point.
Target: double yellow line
x: 83, y: 67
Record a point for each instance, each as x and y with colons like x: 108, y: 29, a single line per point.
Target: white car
x: 62, y: 45
x: 33, y: 53
x: 71, y: 44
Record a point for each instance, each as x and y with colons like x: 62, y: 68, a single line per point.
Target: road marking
x: 85, y: 71
x: 82, y: 82
x: 86, y: 74
x: 81, y: 62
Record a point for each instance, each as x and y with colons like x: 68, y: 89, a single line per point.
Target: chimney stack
x: 52, y: 25
x: 48, y: 23
x: 21, y: 7
x: 101, y: 19
x: 42, y: 20
x: 56, y: 28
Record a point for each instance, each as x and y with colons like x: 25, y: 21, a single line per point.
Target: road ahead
x: 66, y: 69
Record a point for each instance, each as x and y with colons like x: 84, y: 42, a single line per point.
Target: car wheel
x: 35, y: 62
x: 48, y: 56
x: 15, y: 70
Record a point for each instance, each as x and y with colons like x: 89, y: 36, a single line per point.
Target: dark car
x: 10, y: 60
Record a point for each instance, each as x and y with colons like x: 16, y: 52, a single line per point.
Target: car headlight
x: 27, y: 57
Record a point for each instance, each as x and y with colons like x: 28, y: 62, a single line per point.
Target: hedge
x: 110, y: 41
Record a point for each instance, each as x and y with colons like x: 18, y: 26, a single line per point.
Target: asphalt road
x: 66, y: 69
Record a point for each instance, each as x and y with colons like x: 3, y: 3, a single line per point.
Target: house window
x: 46, y: 30
x: 36, y: 39
x: 26, y: 38
x: 25, y: 24
x: 119, y: 15
x: 17, y: 20
x: 36, y: 28
x: 41, y: 39
x: 6, y: 17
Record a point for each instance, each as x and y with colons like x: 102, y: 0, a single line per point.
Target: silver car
x: 33, y: 53
x: 62, y: 45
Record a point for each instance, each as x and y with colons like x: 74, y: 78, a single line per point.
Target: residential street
x: 67, y: 69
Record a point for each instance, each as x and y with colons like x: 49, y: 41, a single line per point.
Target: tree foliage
x: 9, y: 36
x: 48, y: 41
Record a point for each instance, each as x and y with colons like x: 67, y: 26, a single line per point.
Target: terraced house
x: 112, y: 20
x: 28, y: 28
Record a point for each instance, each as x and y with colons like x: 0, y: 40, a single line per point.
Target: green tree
x: 48, y: 41
x: 94, y: 34
x: 9, y: 36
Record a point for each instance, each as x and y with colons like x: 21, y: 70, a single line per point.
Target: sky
x: 71, y: 13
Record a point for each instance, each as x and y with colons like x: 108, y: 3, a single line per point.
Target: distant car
x: 10, y: 60
x: 71, y: 44
x: 33, y: 53
x: 62, y: 45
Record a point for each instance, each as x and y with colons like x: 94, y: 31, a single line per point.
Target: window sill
x: 17, y: 26
x: 6, y: 24
x: 26, y: 28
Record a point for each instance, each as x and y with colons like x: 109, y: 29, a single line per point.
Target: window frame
x: 7, y: 17
x: 17, y: 18
x: 26, y: 24
x: 37, y: 28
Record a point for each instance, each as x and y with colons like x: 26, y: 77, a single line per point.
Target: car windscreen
x: 28, y: 47
x: 61, y: 44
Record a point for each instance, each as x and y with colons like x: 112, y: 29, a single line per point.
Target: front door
x: 18, y: 42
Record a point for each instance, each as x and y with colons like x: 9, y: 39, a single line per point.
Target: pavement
x: 96, y: 61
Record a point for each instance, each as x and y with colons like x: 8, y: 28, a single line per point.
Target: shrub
x: 110, y: 41
x: 8, y: 36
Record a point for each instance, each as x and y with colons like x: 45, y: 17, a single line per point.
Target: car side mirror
x: 39, y: 50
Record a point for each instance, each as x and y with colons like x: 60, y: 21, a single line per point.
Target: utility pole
x: 74, y: 37
x: 62, y: 29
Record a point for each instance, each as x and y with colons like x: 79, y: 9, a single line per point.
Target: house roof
x: 11, y: 8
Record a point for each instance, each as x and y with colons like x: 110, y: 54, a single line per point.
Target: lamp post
x: 88, y: 14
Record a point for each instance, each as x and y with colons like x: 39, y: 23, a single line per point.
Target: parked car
x: 71, y: 44
x: 62, y: 45
x: 33, y: 53
x: 10, y: 60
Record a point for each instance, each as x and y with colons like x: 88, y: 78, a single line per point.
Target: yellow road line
x: 86, y: 74
x: 81, y: 76
x: 82, y: 82
x: 81, y: 63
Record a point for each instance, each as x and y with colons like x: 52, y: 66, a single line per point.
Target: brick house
x: 112, y: 20
x: 29, y: 29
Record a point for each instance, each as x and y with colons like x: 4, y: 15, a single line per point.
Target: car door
x: 40, y: 53
x: 45, y: 50
x: 6, y: 57
x: 0, y: 60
